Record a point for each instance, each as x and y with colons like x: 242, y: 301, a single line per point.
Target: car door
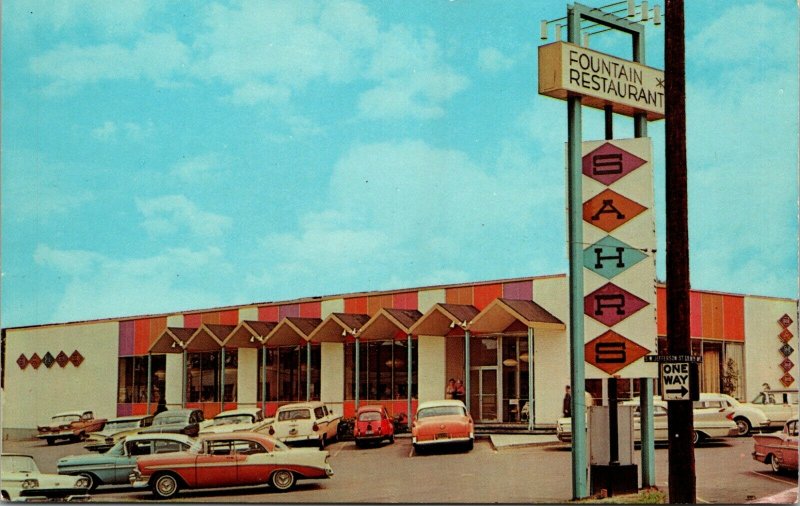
x: 216, y: 465
x: 254, y: 462
x: 127, y: 461
x: 790, y: 447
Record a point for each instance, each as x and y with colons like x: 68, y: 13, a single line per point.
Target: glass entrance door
x: 484, y: 391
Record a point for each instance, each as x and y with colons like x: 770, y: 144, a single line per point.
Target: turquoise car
x: 114, y: 466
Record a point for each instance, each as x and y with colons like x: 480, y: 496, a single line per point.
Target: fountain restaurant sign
x: 629, y: 87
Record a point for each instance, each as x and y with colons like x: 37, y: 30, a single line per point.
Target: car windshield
x: 224, y: 420
x: 19, y: 464
x: 369, y: 416
x: 280, y: 446
x: 65, y: 419
x: 294, y: 414
x: 166, y: 420
x: 440, y: 411
x: 117, y: 448
x: 197, y: 447
x: 121, y: 424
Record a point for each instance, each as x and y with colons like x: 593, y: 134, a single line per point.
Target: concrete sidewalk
x: 501, y: 441
x: 786, y: 497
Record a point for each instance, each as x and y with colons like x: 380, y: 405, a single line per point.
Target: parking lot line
x: 773, y: 477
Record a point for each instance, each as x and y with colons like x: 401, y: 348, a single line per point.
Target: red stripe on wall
x: 268, y: 314
x: 695, y: 315
x: 355, y: 305
x: 192, y: 321
x: 310, y: 309
x: 407, y: 300
x: 141, y: 338
x: 661, y: 311
x: 484, y: 294
x: 733, y: 318
x: 230, y: 317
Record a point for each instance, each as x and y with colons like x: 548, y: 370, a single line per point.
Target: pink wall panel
x: 288, y: 310
x: 518, y: 290
x: 126, y: 337
x: 406, y: 300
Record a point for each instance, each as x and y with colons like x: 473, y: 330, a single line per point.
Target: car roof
x: 162, y: 436
x: 443, y: 402
x: 253, y: 436
x: 17, y: 455
x: 239, y: 411
x: 180, y: 411
x: 127, y: 418
x: 65, y: 413
x: 300, y: 405
x: 371, y: 407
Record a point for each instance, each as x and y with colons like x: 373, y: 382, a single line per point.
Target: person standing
x: 459, y: 394
x: 450, y: 389
x: 566, y: 407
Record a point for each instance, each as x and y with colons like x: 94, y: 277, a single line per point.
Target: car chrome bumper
x: 442, y: 441
x: 52, y: 494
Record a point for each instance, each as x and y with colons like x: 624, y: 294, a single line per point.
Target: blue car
x: 114, y: 466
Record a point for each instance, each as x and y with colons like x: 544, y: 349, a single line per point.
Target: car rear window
x: 440, y: 411
x: 294, y: 414
x: 369, y: 416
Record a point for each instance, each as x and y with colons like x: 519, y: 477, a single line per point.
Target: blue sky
x: 162, y: 156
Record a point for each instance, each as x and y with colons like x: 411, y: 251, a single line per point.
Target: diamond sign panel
x: 611, y: 304
x: 608, y: 210
x: 787, y: 364
x: 609, y: 163
x: 22, y: 361
x: 611, y: 352
x: 786, y: 350
x: 35, y: 361
x: 76, y: 358
x: 785, y: 321
x: 609, y: 257
x: 787, y: 379
x: 62, y: 359
x: 48, y: 360
x: 785, y: 336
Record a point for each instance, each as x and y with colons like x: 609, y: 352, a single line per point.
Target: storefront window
x: 203, y: 376
x: 383, y: 369
x: 132, y: 379
x: 515, y: 377
x: 286, y: 373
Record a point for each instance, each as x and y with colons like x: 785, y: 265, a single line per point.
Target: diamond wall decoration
x: 62, y: 359
x: 787, y: 364
x: 786, y: 350
x: 35, y: 361
x: 48, y: 360
x: 608, y: 210
x: 611, y: 352
x: 609, y: 257
x: 608, y: 163
x: 785, y: 336
x: 22, y: 361
x: 787, y: 379
x: 76, y: 358
x: 785, y: 321
x: 611, y: 304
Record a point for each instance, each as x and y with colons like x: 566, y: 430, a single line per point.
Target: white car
x: 748, y: 417
x: 708, y: 424
x: 235, y: 420
x: 778, y: 405
x: 22, y: 481
x: 305, y: 421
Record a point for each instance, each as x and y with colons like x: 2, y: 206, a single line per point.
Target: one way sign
x: 675, y: 384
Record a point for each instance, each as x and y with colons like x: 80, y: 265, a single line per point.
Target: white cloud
x: 492, y: 60
x: 105, y: 132
x: 197, y: 169
x: 110, y: 18
x: 171, y: 214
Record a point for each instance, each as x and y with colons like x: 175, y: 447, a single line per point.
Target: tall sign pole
x: 682, y: 480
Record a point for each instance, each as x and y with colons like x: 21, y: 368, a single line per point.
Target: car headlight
x: 82, y: 483
x: 30, y: 484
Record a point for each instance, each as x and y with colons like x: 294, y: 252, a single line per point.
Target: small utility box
x: 618, y: 477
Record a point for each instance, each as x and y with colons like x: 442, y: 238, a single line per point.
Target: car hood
x: 84, y: 459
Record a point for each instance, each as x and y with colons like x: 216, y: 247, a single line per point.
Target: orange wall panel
x: 268, y: 313
x: 661, y: 311
x: 230, y: 317
x: 695, y: 314
x: 157, y: 327
x: 407, y: 300
x: 212, y: 318
x: 484, y: 294
x: 459, y: 295
x: 141, y: 336
x: 712, y: 315
x: 733, y: 318
x: 310, y: 309
x: 377, y: 302
x: 355, y: 305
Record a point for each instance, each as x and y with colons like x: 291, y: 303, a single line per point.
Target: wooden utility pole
x: 682, y: 480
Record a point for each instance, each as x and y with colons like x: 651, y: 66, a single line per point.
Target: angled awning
x: 172, y: 340
x: 445, y: 320
x: 507, y: 314
x: 388, y: 324
x: 249, y: 334
x: 209, y: 337
x: 337, y: 327
x: 292, y: 330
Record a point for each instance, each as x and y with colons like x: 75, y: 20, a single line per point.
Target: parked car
x: 72, y: 425
x: 747, y: 416
x: 372, y: 425
x: 779, y: 450
x: 778, y: 405
x: 230, y: 460
x: 180, y: 421
x: 21, y: 480
x: 708, y: 423
x: 442, y: 422
x: 236, y: 420
x: 115, y: 466
x: 115, y: 430
x: 305, y: 421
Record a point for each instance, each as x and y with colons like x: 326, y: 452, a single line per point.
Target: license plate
x: 442, y: 435
x: 369, y: 433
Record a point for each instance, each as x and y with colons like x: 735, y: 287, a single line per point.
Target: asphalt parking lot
x: 726, y: 473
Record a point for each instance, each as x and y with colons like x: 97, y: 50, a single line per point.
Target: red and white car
x: 779, y: 450
x: 230, y: 460
x: 373, y: 425
x: 442, y: 422
x: 72, y: 425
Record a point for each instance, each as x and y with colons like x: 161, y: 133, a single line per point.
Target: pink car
x: 372, y: 425
x: 442, y: 423
x: 779, y: 450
